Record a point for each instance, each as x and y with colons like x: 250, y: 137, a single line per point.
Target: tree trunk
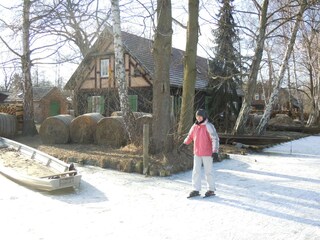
x: 274, y: 95
x: 120, y: 70
x: 313, y: 64
x: 29, y: 127
x: 271, y: 76
x: 190, y: 70
x: 295, y: 77
x: 239, y: 127
x: 161, y: 83
x: 314, y: 92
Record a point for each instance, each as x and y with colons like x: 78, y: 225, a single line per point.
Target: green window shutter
x: 96, y: 104
x: 133, y: 102
x: 89, y: 104
x: 102, y: 107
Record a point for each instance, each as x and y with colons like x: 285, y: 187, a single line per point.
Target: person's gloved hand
x: 215, y: 157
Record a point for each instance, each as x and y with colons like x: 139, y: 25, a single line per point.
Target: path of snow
x: 266, y: 196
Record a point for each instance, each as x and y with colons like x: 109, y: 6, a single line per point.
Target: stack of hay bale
x: 91, y: 128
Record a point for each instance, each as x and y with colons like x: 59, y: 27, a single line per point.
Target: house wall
x: 138, y: 82
x: 135, y: 75
x: 111, y: 100
x: 284, y: 103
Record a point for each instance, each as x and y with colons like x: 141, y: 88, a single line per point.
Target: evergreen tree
x: 224, y: 104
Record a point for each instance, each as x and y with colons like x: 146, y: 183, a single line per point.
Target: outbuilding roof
x: 38, y: 94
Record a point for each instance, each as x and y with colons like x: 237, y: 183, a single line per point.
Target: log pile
x: 83, y: 128
x: 56, y: 129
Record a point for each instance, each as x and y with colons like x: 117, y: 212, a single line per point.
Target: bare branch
x: 11, y: 49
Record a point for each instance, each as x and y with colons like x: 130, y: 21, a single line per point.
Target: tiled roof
x: 141, y: 49
x: 40, y: 92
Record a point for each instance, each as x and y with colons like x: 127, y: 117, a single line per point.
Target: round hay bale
x: 140, y: 121
x: 111, y: 132
x: 83, y: 127
x: 8, y: 125
x: 56, y: 129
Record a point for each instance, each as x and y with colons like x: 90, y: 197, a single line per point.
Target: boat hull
x: 63, y: 179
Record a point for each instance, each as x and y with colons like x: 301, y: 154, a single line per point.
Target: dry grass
x: 129, y: 158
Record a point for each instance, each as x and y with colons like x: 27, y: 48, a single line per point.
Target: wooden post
x: 145, y: 148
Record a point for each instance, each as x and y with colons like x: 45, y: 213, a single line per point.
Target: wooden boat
x: 52, y: 173
x: 252, y: 140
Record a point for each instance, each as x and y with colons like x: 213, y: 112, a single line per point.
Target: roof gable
x: 41, y: 92
x: 140, y: 49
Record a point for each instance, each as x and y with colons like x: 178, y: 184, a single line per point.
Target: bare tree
x: 253, y: 72
x: 33, y: 32
x: 29, y: 127
x: 297, y: 92
x: 78, y: 23
x: 274, y: 95
x: 190, y: 69
x: 161, y: 83
x: 310, y: 49
x: 8, y: 76
x: 119, y: 69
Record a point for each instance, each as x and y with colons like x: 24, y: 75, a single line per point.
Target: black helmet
x: 202, y: 113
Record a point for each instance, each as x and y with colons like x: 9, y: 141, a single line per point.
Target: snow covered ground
x: 264, y: 196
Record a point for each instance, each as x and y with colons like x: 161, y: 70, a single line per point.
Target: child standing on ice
x: 206, y: 147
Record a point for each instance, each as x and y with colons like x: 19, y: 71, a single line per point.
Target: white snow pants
x: 208, y: 171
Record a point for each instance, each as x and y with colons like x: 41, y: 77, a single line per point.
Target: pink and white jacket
x: 205, y: 138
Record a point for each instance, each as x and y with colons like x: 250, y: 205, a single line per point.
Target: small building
x: 95, y: 87
x: 47, y: 101
x: 286, y: 102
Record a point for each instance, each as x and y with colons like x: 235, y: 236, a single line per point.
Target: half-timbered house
x: 95, y: 88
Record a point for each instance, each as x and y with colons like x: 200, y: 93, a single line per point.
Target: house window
x: 256, y: 96
x: 96, y: 104
x: 133, y: 101
x: 104, y: 68
x: 263, y: 97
